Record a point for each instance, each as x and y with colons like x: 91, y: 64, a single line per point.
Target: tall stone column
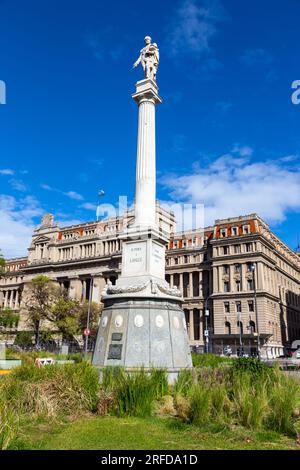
x: 191, y: 290
x: 147, y: 98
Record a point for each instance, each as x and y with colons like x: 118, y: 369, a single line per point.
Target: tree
x: 2, y: 266
x: 8, y: 318
x: 95, y: 312
x: 65, y: 315
x: 40, y: 297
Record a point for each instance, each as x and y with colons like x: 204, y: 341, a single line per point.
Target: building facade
x: 240, y: 282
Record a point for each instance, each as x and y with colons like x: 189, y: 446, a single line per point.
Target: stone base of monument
x: 143, y: 333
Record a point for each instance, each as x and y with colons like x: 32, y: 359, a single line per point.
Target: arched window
x: 252, y: 327
x: 240, y: 325
x: 228, y: 328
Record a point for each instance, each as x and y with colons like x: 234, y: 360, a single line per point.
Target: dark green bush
x: 209, y: 360
x: 251, y: 365
x: 23, y: 339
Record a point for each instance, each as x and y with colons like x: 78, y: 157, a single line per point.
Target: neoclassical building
x: 240, y: 282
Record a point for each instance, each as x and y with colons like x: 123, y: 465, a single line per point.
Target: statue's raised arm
x: 149, y: 59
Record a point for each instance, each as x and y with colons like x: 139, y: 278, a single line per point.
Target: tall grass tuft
x: 284, y: 403
x: 200, y: 405
x: 134, y: 395
x: 159, y: 382
x: 9, y: 426
x: 184, y: 382
x: 250, y: 401
x: 52, y: 390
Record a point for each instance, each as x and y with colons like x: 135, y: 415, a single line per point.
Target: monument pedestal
x: 138, y: 332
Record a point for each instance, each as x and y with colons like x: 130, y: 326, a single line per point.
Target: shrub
x: 23, y: 339
x: 251, y: 365
x: 209, y: 360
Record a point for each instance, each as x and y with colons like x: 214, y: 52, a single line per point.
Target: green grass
x: 112, y: 433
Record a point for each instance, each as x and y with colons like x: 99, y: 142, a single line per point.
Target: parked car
x: 296, y: 354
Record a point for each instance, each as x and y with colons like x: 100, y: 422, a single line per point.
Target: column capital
x: 146, y: 90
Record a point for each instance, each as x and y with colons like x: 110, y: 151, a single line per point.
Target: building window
x: 226, y: 286
x: 175, y: 260
x: 246, y: 229
x: 250, y: 305
x: 248, y: 247
x: 226, y: 269
x: 234, y: 231
x: 249, y: 267
x: 237, y: 268
x: 238, y: 286
x: 225, y: 250
x: 226, y: 307
x: 223, y: 232
x: 228, y: 328
x: 237, y: 249
x: 252, y: 327
x: 240, y: 326
x: 238, y: 307
x: 186, y: 259
x: 250, y: 284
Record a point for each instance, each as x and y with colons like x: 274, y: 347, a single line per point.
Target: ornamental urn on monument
x: 143, y: 324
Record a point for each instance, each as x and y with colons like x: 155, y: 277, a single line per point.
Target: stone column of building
x: 191, y: 321
x: 201, y: 283
x: 181, y: 282
x: 215, y: 279
x: 191, y: 293
x: 11, y: 299
x: 6, y: 299
x: 17, y: 300
x: 75, y: 290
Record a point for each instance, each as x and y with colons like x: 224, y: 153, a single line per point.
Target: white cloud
x: 70, y: 194
x: 242, y: 150
x: 18, y: 185
x: 256, y: 56
x: 232, y: 186
x: 7, y: 171
x: 194, y: 25
x: 17, y: 222
x: 74, y: 195
x: 88, y: 206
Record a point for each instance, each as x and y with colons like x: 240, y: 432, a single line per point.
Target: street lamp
x: 255, y: 306
x: 206, y: 333
x: 100, y: 194
x: 87, y: 331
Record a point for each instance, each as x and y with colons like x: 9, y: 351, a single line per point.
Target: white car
x: 296, y: 354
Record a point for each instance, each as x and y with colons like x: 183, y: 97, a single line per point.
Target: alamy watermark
x: 2, y: 92
x: 296, y: 94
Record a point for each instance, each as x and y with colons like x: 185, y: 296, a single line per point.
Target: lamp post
x: 241, y: 338
x: 255, y: 306
x: 88, y: 319
x: 206, y: 333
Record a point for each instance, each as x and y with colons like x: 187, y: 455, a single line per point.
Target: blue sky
x: 227, y: 132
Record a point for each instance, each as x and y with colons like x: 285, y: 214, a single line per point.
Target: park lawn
x: 112, y: 433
